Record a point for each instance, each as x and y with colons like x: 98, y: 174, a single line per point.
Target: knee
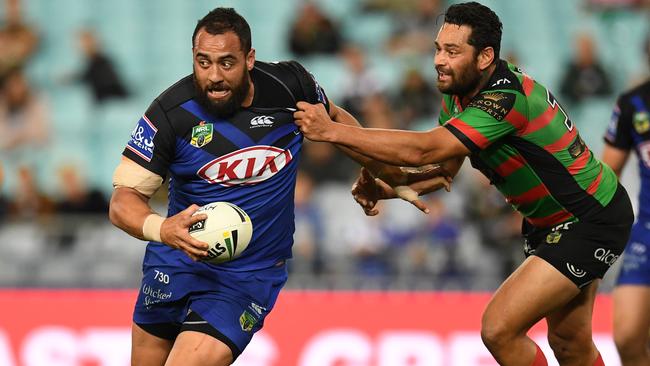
x: 630, y: 342
x: 570, y: 345
x: 495, y: 333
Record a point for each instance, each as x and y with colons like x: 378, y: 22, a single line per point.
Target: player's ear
x: 250, y: 59
x: 485, y: 58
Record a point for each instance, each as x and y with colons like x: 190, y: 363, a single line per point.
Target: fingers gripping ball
x: 227, y: 231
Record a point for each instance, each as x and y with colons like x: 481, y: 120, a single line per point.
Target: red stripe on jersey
x: 138, y: 153
x: 562, y: 142
x: 528, y: 84
x: 458, y: 104
x: 580, y: 162
x: 516, y: 119
x: 529, y: 196
x: 444, y: 106
x: 594, y: 185
x: 549, y: 220
x: 541, y: 121
x: 509, y: 166
x: 477, y: 138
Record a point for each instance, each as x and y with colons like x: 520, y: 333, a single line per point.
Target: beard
x: 227, y: 107
x: 464, y: 81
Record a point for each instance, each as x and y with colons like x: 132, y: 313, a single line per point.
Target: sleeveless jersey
x: 629, y: 129
x: 524, y: 142
x: 249, y: 159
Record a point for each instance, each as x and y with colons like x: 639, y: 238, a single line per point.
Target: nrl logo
x: 495, y: 97
x: 201, y: 134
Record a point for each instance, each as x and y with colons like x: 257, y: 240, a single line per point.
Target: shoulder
x: 507, y: 78
x: 177, y: 94
x: 642, y: 90
x: 289, y: 76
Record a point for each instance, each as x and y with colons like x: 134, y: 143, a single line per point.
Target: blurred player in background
x: 224, y: 133
x: 630, y: 129
x: 577, y: 216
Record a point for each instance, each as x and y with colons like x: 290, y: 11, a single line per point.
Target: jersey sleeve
x: 482, y: 122
x: 152, y: 142
x: 619, y: 130
x: 308, y: 89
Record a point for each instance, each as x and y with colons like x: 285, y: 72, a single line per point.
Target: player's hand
x: 313, y: 120
x: 366, y: 190
x: 174, y: 232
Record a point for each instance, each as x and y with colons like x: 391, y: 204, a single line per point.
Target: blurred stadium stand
x: 150, y: 43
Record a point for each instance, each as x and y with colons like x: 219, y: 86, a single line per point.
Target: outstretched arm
x: 394, y: 147
x: 367, y: 190
x: 615, y: 158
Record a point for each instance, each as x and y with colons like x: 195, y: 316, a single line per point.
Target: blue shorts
x: 635, y: 269
x: 235, y: 304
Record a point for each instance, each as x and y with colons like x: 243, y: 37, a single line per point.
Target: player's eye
x: 204, y: 63
x: 227, y: 64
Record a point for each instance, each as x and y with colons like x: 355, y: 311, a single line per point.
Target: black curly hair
x: 222, y: 20
x: 485, y: 24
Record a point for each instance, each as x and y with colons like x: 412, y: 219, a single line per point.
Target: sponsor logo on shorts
x: 555, y: 235
x: 258, y: 309
x: 553, y: 238
x: 606, y: 256
x: 575, y: 271
x: 154, y: 295
x: 247, y: 321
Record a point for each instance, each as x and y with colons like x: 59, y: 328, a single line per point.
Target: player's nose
x: 214, y: 74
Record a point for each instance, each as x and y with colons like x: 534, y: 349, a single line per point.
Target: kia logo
x: 605, y: 256
x: 250, y: 165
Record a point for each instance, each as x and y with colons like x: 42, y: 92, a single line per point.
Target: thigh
x: 236, y: 310
x: 635, y: 269
x: 198, y: 349
x: 574, y: 318
x: 147, y: 349
x: 631, y: 312
x: 533, y: 291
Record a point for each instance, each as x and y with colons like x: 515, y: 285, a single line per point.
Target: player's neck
x: 248, y: 101
x: 485, y: 77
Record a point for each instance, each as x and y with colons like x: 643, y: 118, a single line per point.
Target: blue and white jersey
x: 629, y: 129
x: 249, y: 159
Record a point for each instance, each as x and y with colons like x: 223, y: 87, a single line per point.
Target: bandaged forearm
x: 131, y: 175
x: 151, y: 227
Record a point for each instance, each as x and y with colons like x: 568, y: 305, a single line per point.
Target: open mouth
x: 442, y: 76
x: 218, y: 94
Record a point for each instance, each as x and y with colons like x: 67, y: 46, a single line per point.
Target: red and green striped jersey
x: 525, y: 143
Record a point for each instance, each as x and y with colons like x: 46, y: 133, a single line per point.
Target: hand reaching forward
x: 174, y: 233
x: 367, y: 190
x: 313, y: 120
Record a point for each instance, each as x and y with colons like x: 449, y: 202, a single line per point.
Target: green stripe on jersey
x: 536, y: 129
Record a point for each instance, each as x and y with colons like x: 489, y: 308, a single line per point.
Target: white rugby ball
x: 227, y: 231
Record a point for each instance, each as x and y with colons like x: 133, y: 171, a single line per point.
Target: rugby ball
x: 227, y: 231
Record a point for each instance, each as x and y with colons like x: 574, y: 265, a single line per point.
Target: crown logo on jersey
x: 201, y: 134
x: 495, y: 97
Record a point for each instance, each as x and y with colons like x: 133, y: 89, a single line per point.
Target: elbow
x: 417, y: 156
x: 114, y: 212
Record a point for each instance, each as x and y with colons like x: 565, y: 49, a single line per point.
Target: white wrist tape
x: 151, y: 227
x: 406, y: 193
